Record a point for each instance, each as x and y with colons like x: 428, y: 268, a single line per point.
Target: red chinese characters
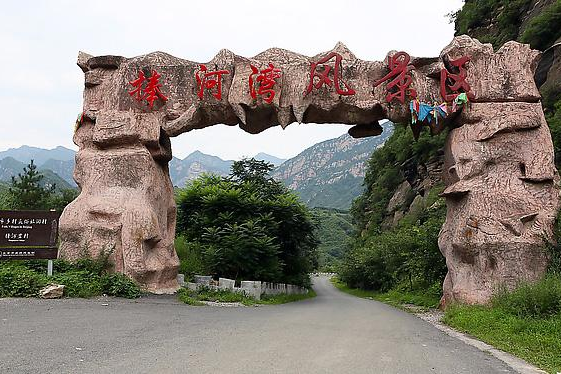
x: 455, y: 82
x: 400, y: 78
x: 266, y: 80
x: 209, y: 80
x: 328, y: 75
x: 152, y: 90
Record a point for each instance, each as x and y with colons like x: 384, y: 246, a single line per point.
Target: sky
x: 41, y: 93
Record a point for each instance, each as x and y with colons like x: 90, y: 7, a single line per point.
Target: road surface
x: 332, y: 333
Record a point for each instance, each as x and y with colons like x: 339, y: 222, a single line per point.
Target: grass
x: 537, y: 340
x: 225, y: 296
x: 525, y: 322
x: 395, y: 298
x: 284, y: 298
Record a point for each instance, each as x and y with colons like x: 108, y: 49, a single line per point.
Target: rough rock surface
x: 126, y: 203
x: 52, y: 291
x: 502, y: 190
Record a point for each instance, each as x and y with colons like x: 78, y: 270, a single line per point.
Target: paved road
x: 332, y: 333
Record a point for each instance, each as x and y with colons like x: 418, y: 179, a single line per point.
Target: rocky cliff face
x: 330, y: 173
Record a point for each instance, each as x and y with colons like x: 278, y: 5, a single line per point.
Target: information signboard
x: 28, y: 234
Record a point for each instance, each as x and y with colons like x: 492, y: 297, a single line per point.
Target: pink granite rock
x: 502, y: 187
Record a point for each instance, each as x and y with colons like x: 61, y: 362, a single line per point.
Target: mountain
x: 330, y: 174
x: 194, y: 165
x: 269, y: 158
x: 64, y: 169
x: 11, y: 167
x: 26, y: 153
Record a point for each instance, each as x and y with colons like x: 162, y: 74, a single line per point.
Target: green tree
x: 60, y: 200
x: 248, y: 226
x: 26, y: 191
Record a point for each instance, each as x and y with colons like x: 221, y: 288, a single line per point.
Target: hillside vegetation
x: 396, y: 246
x: 246, y: 226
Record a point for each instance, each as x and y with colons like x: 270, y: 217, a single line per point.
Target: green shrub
x: 79, y: 283
x: 118, y: 284
x: 190, y: 257
x: 84, y: 278
x: 17, y: 281
x: 539, y: 299
x: 245, y: 226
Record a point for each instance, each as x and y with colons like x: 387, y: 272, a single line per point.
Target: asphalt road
x: 332, y: 333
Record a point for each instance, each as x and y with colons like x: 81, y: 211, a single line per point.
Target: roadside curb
x: 515, y: 363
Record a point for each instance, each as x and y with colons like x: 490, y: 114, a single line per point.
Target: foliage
x: 544, y: 29
x: 541, y: 299
x: 206, y: 294
x: 84, y: 278
x: 26, y: 191
x: 226, y: 296
x: 284, y: 298
x: 118, y: 284
x: 407, y: 255
x: 188, y: 297
x: 428, y: 298
x: 554, y: 121
x: 386, y: 170
x: 79, y: 283
x: 334, y: 228
x: 503, y: 16
x: 18, y: 281
x: 525, y: 321
x: 533, y: 339
x: 246, y: 226
x: 60, y: 200
x: 190, y: 257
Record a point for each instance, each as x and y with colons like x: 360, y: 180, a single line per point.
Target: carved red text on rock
x: 265, y: 80
x: 400, y: 78
x: 209, y: 80
x: 455, y: 82
x: 152, y: 90
x: 323, y: 71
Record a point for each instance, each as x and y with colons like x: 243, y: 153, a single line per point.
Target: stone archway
x: 502, y: 187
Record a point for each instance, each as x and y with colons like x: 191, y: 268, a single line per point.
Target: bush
x: 245, y: 226
x: 79, y: 283
x: 84, y: 278
x: 119, y: 285
x: 190, y: 257
x: 406, y: 256
x: 541, y: 299
x: 17, y: 281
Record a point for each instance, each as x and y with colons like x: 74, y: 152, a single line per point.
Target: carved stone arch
x: 502, y: 192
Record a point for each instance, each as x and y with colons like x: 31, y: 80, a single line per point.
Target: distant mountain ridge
x: 328, y: 174
x: 26, y: 153
x: 197, y: 163
x: 11, y: 167
x: 269, y: 158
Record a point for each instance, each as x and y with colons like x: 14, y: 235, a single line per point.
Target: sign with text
x: 28, y: 234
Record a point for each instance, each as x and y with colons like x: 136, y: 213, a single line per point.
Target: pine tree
x: 26, y: 191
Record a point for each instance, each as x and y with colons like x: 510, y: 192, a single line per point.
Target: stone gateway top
x: 331, y: 87
x: 501, y: 191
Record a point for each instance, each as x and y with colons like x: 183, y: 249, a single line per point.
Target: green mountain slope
x: 334, y: 231
x: 330, y: 174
